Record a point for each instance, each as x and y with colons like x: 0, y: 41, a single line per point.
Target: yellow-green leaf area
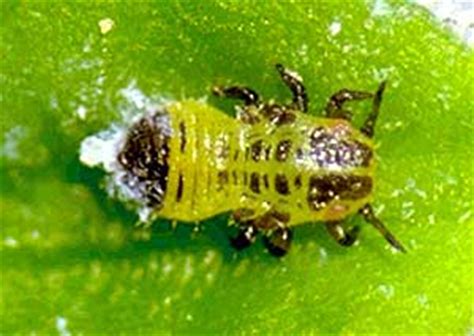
x: 71, y: 259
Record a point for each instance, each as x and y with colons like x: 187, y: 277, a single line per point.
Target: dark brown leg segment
x: 247, y: 95
x: 343, y: 237
x: 245, y: 237
x: 300, y: 98
x: 272, y: 223
x: 335, y: 106
x: 368, y: 213
x: 369, y: 124
x: 279, y: 241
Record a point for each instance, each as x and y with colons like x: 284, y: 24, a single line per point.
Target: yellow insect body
x: 273, y: 166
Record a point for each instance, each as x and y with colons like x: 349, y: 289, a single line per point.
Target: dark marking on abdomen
x: 255, y: 182
x: 255, y: 150
x: 182, y: 136
x: 259, y: 150
x: 179, y: 191
x: 281, y: 184
x: 283, y: 150
x: 298, y: 181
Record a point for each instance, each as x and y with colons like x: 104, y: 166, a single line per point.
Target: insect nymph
x: 273, y: 166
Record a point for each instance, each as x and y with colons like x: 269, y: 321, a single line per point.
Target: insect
x: 273, y: 166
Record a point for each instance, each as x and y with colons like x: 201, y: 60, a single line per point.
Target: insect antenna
x: 368, y: 213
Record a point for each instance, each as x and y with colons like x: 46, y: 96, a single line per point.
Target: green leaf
x: 71, y: 260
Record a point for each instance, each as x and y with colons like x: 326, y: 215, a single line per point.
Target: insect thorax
x: 309, y: 169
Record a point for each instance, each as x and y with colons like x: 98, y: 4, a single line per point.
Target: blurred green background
x: 71, y: 260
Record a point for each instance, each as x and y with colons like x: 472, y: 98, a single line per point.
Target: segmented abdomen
x: 202, y: 178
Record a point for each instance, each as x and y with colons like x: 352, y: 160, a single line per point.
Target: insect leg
x: 279, y: 241
x: 292, y: 80
x: 245, y: 237
x: 334, y: 108
x: 343, y: 237
x: 368, y: 213
x: 369, y: 124
x: 249, y: 96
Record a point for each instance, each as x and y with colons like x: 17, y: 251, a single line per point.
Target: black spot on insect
x: 255, y: 182
x: 298, y: 182
x: 256, y: 150
x: 182, y: 136
x: 179, y: 191
x: 283, y: 149
x: 266, y: 183
x: 260, y: 151
x: 281, y: 184
x: 324, y: 189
